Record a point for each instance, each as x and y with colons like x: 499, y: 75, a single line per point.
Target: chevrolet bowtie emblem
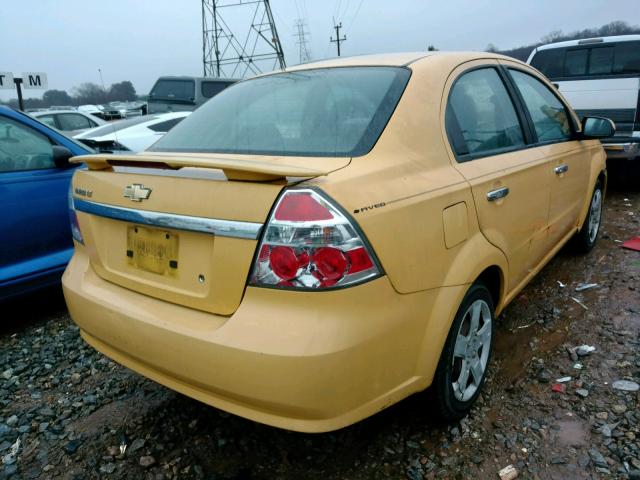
x: 136, y: 192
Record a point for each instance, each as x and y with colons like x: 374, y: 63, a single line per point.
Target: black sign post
x: 18, y: 82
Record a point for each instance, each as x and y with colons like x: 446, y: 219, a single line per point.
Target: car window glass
x: 550, y: 118
x: 485, y: 113
x: 73, y: 121
x: 627, y: 58
x: 211, y: 89
x: 173, y: 90
x: 575, y: 62
x: 48, y: 120
x: 311, y: 113
x: 22, y: 148
x: 550, y: 62
x: 601, y: 61
x: 166, y: 125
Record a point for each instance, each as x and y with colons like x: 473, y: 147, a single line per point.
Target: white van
x: 599, y: 77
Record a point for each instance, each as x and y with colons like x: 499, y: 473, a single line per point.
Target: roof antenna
x: 104, y: 89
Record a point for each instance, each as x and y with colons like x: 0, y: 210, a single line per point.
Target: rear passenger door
x: 489, y: 137
x: 554, y: 138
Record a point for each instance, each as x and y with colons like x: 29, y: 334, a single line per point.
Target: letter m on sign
x: 34, y: 81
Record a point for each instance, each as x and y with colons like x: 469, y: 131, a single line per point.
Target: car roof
x: 49, y: 112
x: 589, y: 41
x: 187, y: 77
x: 396, y: 59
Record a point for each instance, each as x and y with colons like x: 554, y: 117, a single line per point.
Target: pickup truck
x: 599, y: 77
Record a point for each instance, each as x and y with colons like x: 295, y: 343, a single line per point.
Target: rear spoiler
x: 233, y: 168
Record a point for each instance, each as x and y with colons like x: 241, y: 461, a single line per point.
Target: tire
x: 586, y: 238
x: 453, y: 401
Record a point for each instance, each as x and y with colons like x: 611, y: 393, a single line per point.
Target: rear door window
x: 73, y: 121
x: 485, y: 114
x: 48, y: 120
x: 627, y: 58
x: 601, y: 61
x: 211, y: 89
x: 550, y: 118
x: 575, y: 62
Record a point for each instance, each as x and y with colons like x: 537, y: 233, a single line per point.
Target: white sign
x: 36, y: 80
x: 6, y: 80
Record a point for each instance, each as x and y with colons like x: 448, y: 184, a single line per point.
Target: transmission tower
x: 301, y: 41
x: 227, y: 54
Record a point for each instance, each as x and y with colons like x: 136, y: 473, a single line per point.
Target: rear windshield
x: 323, y: 112
x: 602, y: 60
x: 180, y: 90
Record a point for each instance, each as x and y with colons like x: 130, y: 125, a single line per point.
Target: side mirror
x: 61, y: 156
x: 597, y: 127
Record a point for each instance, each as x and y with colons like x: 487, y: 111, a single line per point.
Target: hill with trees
x: 613, y: 28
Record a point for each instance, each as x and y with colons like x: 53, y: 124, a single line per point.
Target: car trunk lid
x: 182, y: 227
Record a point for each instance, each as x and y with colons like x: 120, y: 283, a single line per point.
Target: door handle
x: 497, y: 194
x: 561, y: 169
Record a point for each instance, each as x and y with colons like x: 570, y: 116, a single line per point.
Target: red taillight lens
x: 308, y: 243
x: 301, y: 207
x: 284, y: 262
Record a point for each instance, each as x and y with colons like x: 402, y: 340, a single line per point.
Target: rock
x: 7, y: 374
x: 12, y: 421
x: 4, y: 430
x: 598, y: 458
x: 508, y: 473
x: 602, y: 415
x: 619, y: 409
x: 634, y: 475
x: 581, y: 392
x: 108, y: 468
x: 72, y: 446
x: 136, y: 445
x: 147, y: 461
x: 626, y: 386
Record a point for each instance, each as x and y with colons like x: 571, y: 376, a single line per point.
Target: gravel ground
x: 68, y: 412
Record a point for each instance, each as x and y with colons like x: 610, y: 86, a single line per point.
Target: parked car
x: 71, y: 122
x: 343, y: 239
x: 131, y: 135
x: 35, y: 173
x: 599, y: 76
x: 177, y: 94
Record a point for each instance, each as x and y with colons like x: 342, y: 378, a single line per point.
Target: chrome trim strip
x: 211, y: 226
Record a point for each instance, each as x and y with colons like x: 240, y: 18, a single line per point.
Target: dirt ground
x: 68, y: 412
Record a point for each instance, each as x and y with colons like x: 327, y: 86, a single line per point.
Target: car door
x: 567, y: 158
x: 509, y: 181
x: 33, y: 194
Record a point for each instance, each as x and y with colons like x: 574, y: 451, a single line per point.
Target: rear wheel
x: 463, y: 364
x: 586, y: 238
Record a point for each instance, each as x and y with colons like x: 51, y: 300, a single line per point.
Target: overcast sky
x: 139, y: 40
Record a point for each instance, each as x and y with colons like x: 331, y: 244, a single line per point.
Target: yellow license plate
x: 152, y: 250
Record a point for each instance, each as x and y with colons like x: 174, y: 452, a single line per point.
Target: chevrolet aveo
x: 312, y: 246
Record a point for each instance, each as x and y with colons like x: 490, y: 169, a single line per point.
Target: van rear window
x: 602, y: 60
x: 180, y: 90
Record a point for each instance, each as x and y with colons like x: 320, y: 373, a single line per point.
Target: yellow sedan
x: 313, y: 245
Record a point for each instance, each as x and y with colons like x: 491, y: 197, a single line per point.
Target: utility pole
x: 301, y: 41
x: 338, y: 39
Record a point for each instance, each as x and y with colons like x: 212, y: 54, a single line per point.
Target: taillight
x: 73, y: 218
x: 308, y: 243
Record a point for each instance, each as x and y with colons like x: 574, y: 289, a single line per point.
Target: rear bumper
x: 625, y: 148
x: 304, y: 361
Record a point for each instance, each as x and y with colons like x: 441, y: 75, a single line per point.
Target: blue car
x: 35, y: 236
